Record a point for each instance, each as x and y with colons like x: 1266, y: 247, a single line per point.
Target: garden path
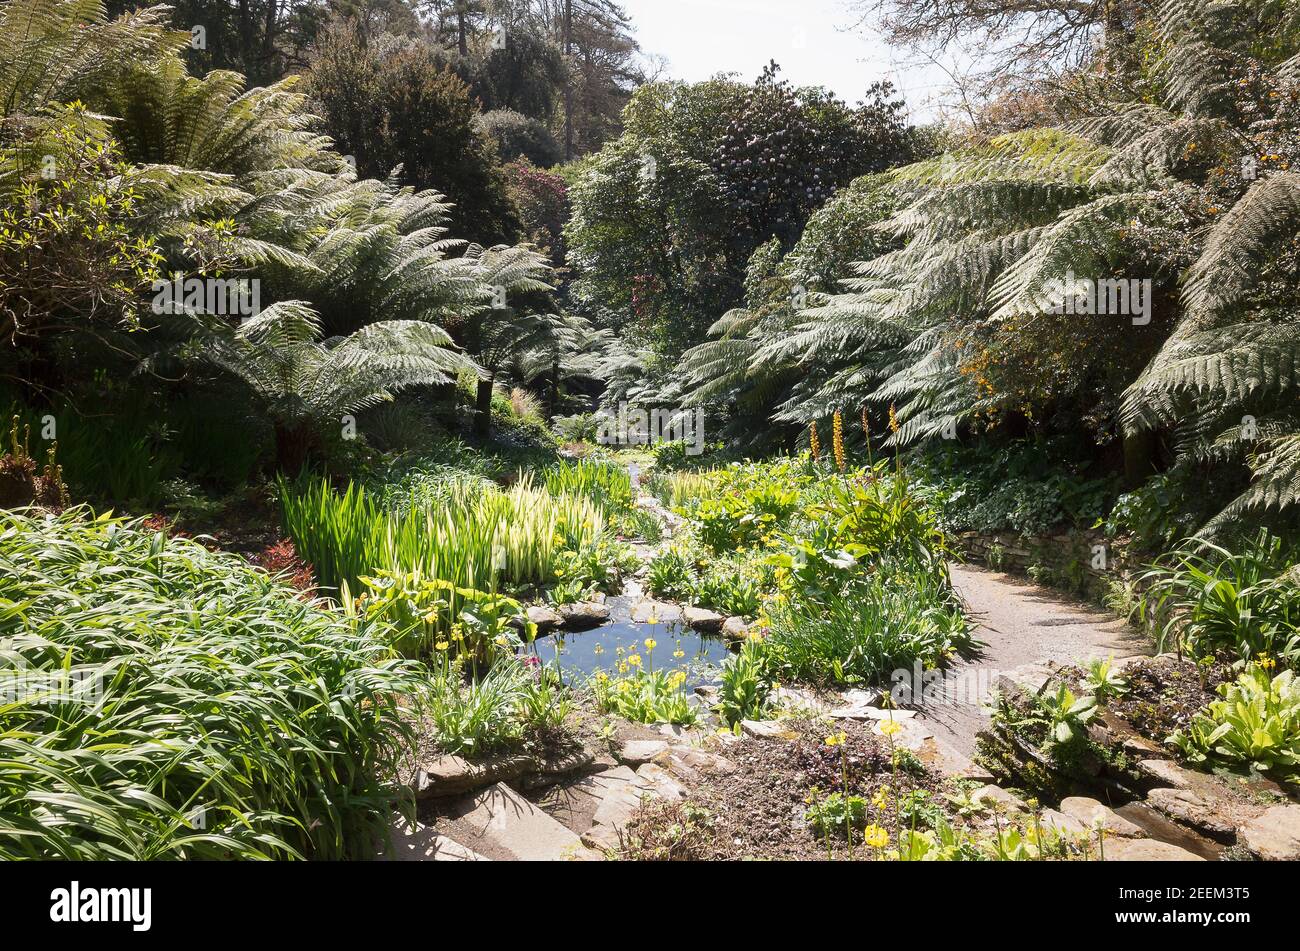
x: 1026, y: 628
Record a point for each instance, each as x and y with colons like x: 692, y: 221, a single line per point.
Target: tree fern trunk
x: 1139, y: 457
x: 483, y: 407
x: 291, y: 446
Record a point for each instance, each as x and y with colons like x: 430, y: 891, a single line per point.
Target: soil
x: 757, y: 811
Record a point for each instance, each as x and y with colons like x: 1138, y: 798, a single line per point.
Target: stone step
x: 499, y: 823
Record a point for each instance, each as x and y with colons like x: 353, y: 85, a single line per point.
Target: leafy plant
x: 644, y: 696
x: 1067, y: 716
x: 167, y: 701
x: 1257, y: 723
x: 1104, y: 681
x: 748, y: 677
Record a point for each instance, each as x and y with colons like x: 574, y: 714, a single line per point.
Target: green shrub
x: 644, y: 696
x: 215, y: 714
x: 671, y: 575
x: 874, y: 627
x: 748, y: 676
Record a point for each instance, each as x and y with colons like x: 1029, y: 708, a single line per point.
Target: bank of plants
x: 166, y: 701
x: 1256, y: 725
x: 637, y: 691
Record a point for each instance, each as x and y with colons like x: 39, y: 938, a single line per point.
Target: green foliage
x: 1211, y: 599
x: 1026, y: 487
x: 172, y: 702
x: 874, y: 626
x: 480, y: 538
x: 502, y: 709
x: 394, y: 102
x: 671, y: 575
x: 644, y: 696
x: 748, y: 676
x: 835, y: 813
x: 517, y: 136
x: 1256, y: 724
x: 1067, y: 717
x: 1104, y: 681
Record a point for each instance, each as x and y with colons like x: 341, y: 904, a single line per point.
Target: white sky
x: 809, y: 39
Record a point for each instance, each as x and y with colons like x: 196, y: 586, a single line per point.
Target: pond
x: 581, y: 653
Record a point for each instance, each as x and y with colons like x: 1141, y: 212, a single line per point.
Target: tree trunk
x: 1139, y: 458
x: 568, y: 80
x: 461, y: 40
x: 483, y: 407
x: 291, y: 446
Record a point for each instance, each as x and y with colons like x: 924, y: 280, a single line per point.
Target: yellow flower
x: 679, y: 653
x: 890, y: 727
x: 837, y: 440
x: 650, y: 643
x: 653, y: 618
x: 881, y: 798
x: 813, y: 443
x: 835, y: 739
x: 635, y: 660
x: 875, y: 837
x: 441, y: 645
x: 598, y: 650
x: 893, y: 419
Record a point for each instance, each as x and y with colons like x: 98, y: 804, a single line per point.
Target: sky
x: 810, y: 40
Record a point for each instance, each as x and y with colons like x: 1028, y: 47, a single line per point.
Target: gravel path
x: 1025, y: 626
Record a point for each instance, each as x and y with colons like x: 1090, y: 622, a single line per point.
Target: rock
x: 583, y: 615
x: 735, y: 628
x: 546, y: 619
x: 1214, y: 816
x: 552, y: 768
x: 1146, y: 850
x: 655, y: 778
x: 421, y: 843
x: 498, y: 822
x: 911, y: 734
x: 636, y: 752
x: 865, y: 711
x: 995, y: 797
x: 1094, y: 814
x: 800, y: 700
x: 688, y: 762
x: 1168, y: 773
x: 454, y: 775
x: 708, y: 693
x: 1274, y: 835
x: 1062, y: 823
x: 601, y: 838
x: 683, y: 734
x: 1135, y: 746
x: 621, y: 800
x: 703, y: 620
x: 661, y: 611
x: 764, y: 729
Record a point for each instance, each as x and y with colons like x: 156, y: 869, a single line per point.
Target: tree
x: 306, y: 385
x: 390, y: 101
x: 666, y: 217
x: 516, y: 135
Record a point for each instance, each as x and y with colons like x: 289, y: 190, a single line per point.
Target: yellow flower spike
x: 835, y: 739
x: 881, y: 798
x: 650, y: 643
x: 635, y: 660
x: 890, y: 727
x: 441, y: 646
x: 679, y: 653
x: 652, y: 619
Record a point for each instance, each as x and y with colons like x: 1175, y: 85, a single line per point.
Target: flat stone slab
x: 765, y: 729
x: 1274, y: 835
x: 911, y: 734
x: 643, y: 611
x: 1064, y: 824
x: 454, y: 775
x: 583, y: 615
x: 1213, y: 816
x: 866, y: 711
x: 799, y: 699
x: 1146, y: 850
x: 653, y: 777
x: 636, y: 752
x: 546, y: 619
x: 688, y: 762
x: 499, y: 823
x: 735, y: 628
x: 1094, y: 814
x: 996, y: 797
x: 703, y: 620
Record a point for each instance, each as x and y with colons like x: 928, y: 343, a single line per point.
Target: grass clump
x: 165, y: 701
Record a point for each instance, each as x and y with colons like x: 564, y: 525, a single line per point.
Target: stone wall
x: 1081, y: 561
